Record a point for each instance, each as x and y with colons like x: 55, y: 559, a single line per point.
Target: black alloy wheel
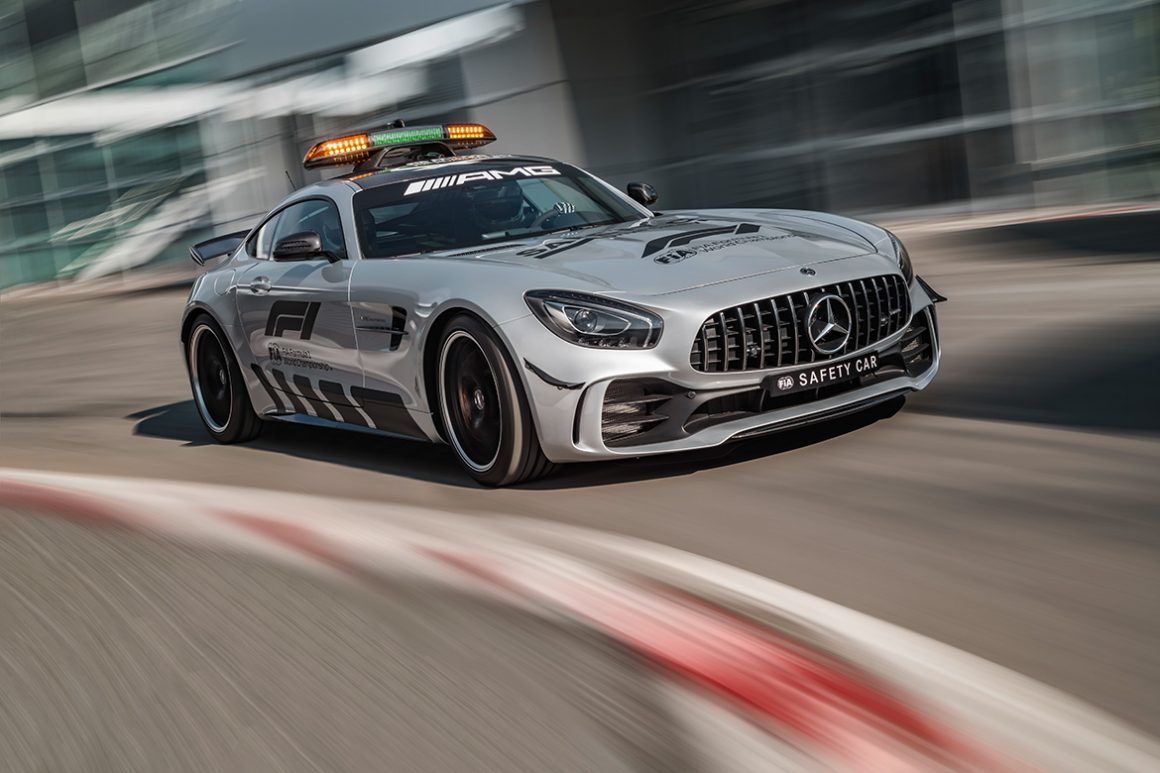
x: 218, y: 391
x: 484, y: 410
x: 476, y: 416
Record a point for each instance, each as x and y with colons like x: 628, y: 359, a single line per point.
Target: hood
x: 679, y: 251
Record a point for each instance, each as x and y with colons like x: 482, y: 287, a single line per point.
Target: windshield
x: 460, y: 207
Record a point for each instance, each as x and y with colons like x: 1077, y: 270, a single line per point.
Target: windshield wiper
x: 571, y: 228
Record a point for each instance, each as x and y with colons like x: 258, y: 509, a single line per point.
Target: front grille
x: 771, y: 333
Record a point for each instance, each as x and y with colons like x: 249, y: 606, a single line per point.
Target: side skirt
x: 307, y: 420
x: 302, y: 399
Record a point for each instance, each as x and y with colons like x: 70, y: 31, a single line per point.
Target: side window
x: 316, y: 215
x: 261, y: 244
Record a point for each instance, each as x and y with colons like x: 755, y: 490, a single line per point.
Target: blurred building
x: 131, y: 128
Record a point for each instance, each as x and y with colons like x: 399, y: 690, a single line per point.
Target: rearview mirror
x: 642, y: 193
x: 300, y: 246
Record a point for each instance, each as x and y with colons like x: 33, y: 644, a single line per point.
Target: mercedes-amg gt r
x: 527, y: 313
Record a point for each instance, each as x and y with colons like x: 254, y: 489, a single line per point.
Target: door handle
x: 260, y: 285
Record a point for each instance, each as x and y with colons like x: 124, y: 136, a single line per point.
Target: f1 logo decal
x: 292, y: 316
x: 656, y: 245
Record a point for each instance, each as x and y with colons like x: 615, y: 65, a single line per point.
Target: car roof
x: 420, y: 169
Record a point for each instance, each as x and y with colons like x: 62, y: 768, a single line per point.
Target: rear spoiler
x: 216, y: 247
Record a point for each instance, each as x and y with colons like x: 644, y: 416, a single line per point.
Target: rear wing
x: 216, y: 247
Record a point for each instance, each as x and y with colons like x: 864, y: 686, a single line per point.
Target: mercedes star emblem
x: 828, y: 324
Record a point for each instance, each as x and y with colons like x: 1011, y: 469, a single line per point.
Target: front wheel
x: 485, y: 413
x: 218, y: 390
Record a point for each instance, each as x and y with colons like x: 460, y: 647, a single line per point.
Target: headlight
x: 903, y: 259
x: 589, y: 320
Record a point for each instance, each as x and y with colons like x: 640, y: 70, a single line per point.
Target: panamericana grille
x: 771, y: 333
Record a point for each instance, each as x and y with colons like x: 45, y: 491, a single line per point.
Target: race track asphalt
x: 1012, y: 510
x: 127, y: 652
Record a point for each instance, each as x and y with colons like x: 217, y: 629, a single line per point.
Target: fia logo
x: 275, y: 354
x: 675, y: 256
x: 785, y: 382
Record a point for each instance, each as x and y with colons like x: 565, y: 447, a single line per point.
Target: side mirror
x: 300, y: 246
x: 642, y: 193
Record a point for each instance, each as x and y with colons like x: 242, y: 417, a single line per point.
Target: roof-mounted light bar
x: 355, y: 148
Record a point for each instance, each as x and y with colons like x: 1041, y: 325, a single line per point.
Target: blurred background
x: 130, y: 129
x: 1009, y: 511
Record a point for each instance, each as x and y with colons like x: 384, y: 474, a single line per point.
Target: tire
x: 485, y: 413
x: 219, y: 392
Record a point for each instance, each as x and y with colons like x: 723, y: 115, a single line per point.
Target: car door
x: 387, y: 313
x: 296, y: 316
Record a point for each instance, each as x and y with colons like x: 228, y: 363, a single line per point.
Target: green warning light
x: 400, y: 136
x: 358, y: 148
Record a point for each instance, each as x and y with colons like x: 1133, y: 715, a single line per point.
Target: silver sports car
x: 528, y: 314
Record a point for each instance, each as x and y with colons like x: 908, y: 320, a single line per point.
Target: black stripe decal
x: 309, y: 396
x: 386, y: 411
x: 278, y: 404
x: 664, y: 242
x: 656, y: 245
x: 690, y: 237
x: 299, y: 406
x: 558, y: 246
x: 332, y: 391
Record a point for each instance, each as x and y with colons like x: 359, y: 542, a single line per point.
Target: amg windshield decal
x: 296, y: 316
x: 665, y: 242
x: 436, y: 183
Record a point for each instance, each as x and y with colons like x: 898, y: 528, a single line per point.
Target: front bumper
x: 575, y: 397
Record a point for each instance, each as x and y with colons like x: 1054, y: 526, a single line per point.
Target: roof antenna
x: 289, y: 180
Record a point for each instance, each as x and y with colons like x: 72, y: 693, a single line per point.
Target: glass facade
x: 122, y: 140
x: 66, y: 198
x: 860, y: 106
